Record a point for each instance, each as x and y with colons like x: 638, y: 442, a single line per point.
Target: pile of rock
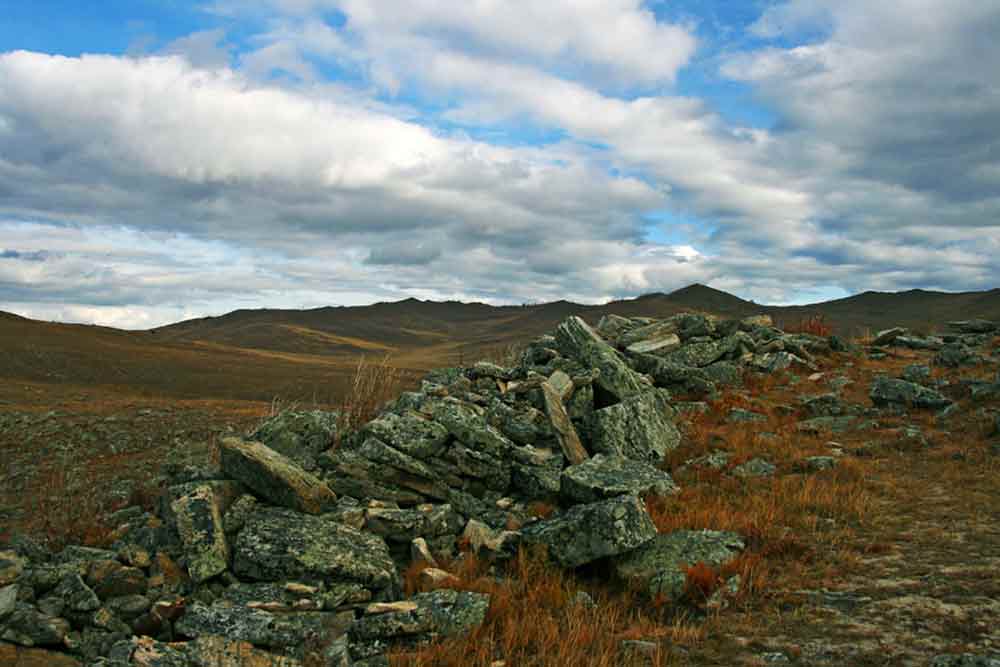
x: 291, y: 547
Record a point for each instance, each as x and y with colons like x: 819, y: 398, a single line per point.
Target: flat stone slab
x: 887, y: 391
x: 256, y: 626
x: 274, y: 477
x: 656, y: 565
x: 444, y: 612
x: 278, y: 545
x: 608, y: 476
x: 585, y: 533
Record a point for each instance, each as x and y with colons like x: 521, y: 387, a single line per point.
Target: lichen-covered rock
x: 274, y: 477
x: 199, y: 523
x: 259, y: 627
x: 409, y: 432
x: 973, y: 326
x: 892, y: 391
x: 965, y: 660
x: 576, y: 340
x: 299, y: 436
x: 111, y: 579
x: 608, y: 476
x: 8, y: 600
x: 443, y: 612
x: 585, y: 533
x: 954, y: 355
x: 209, y: 650
x: 76, y: 594
x: 468, y: 425
x: 825, y: 405
x: 637, y: 428
x: 28, y: 626
x: 697, y: 354
x: 11, y: 567
x: 278, y: 544
x: 657, y: 565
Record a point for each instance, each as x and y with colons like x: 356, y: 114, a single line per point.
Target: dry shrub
x: 373, y: 385
x: 701, y: 580
x: 813, y: 324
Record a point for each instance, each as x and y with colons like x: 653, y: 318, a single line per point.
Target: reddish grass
x: 814, y: 324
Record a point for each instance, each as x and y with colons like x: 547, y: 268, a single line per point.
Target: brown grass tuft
x: 814, y: 324
x: 373, y: 385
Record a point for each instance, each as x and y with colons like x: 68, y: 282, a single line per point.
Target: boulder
x: 954, y: 355
x: 17, y: 656
x: 274, y: 477
x: 409, y: 432
x: 576, y: 340
x: 28, y: 626
x: 892, y: 391
x: 443, y: 612
x: 11, y: 567
x: 886, y: 336
x: 608, y: 476
x: 657, y: 565
x: 697, y: 354
x: 467, y: 423
x: 257, y: 626
x: 974, y: 326
x: 637, y: 428
x: 76, y: 595
x: 199, y: 523
x: 299, y: 436
x: 278, y: 544
x: 585, y: 533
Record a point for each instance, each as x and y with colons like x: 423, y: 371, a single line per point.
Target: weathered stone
x: 480, y: 537
x: 379, y: 452
x: 199, y: 523
x: 886, y: 336
x: 772, y: 362
x: 29, y: 627
x: 110, y: 579
x: 741, y: 416
x: 696, y: 354
x: 891, y: 391
x: 954, y: 355
x: 76, y: 594
x: 660, y: 344
x: 227, y: 652
x: 353, y: 475
x: 973, y: 326
x: 637, y: 428
x: 409, y: 432
x: 299, y: 436
x: 17, y: 656
x: 657, y: 565
x: 469, y: 426
x: 278, y: 545
x: 420, y: 552
x: 8, y: 600
x: 444, y: 612
x: 493, y: 471
x: 396, y: 525
x: 532, y: 482
x: 824, y: 405
x: 616, y: 380
x: 964, y: 660
x: 585, y: 533
x: 11, y: 567
x: 274, y: 477
x: 608, y: 476
x: 820, y: 425
x: 566, y: 434
x: 756, y: 467
x: 918, y: 373
x: 129, y: 607
x: 259, y: 627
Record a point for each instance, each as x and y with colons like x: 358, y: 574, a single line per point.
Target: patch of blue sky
x: 72, y: 28
x: 669, y: 227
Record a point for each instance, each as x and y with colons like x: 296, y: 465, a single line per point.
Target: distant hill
x: 260, y: 354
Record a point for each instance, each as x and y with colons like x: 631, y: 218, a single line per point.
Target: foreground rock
x: 274, y: 477
x: 585, y: 533
x: 637, y: 428
x: 893, y: 391
x: 605, y: 477
x: 657, y: 565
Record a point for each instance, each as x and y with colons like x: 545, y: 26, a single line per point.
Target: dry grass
x: 533, y: 621
x: 813, y: 324
x: 372, y: 386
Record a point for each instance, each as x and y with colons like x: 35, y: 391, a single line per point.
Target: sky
x: 162, y: 160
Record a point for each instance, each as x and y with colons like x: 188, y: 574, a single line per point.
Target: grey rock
x: 585, y: 533
x: 11, y: 567
x: 886, y: 336
x: 741, y: 416
x: 199, y: 523
x: 657, y: 565
x: 608, y: 476
x: 973, y: 326
x: 274, y: 477
x: 918, y: 342
x: 616, y: 381
x: 468, y: 425
x: 256, y: 626
x: 965, y: 660
x: 8, y: 600
x: 724, y: 373
x: 612, y: 327
x: 278, y: 544
x: 562, y: 426
x: 409, y: 432
x: 532, y: 482
x: 377, y: 451
x: 443, y: 612
x: 697, y: 354
x: 954, y: 355
x: 755, y: 467
x: 825, y: 405
x: 76, y: 594
x: 819, y: 425
x: 772, y: 362
x: 129, y: 607
x: 917, y: 373
x: 29, y: 627
x: 299, y: 436
x: 637, y: 428
x: 889, y: 391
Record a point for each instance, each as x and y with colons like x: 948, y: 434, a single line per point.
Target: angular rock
x: 656, y: 565
x: 278, y: 545
x: 199, y: 523
x: 8, y: 600
x: 696, y: 354
x: 258, y: 627
x: 973, y: 326
x: 480, y: 537
x: 891, y: 391
x: 409, y: 432
x: 824, y: 405
x: 566, y: 434
x: 76, y: 594
x: 616, y: 380
x: 585, y: 533
x: 299, y: 436
x: 379, y: 452
x: 11, y: 567
x: 468, y: 425
x: 111, y: 579
x: 660, y: 344
x: 608, y: 476
x: 755, y: 467
x: 886, y: 336
x: 954, y: 355
x: 443, y: 612
x: 29, y: 627
x: 637, y: 428
x: 274, y: 477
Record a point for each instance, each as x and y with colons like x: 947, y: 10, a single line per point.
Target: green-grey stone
x: 637, y: 428
x: 886, y: 391
x: 408, y: 432
x: 579, y: 342
x: 609, y: 476
x: 199, y: 523
x: 300, y: 436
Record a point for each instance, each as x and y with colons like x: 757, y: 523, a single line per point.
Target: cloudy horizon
x: 163, y: 160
